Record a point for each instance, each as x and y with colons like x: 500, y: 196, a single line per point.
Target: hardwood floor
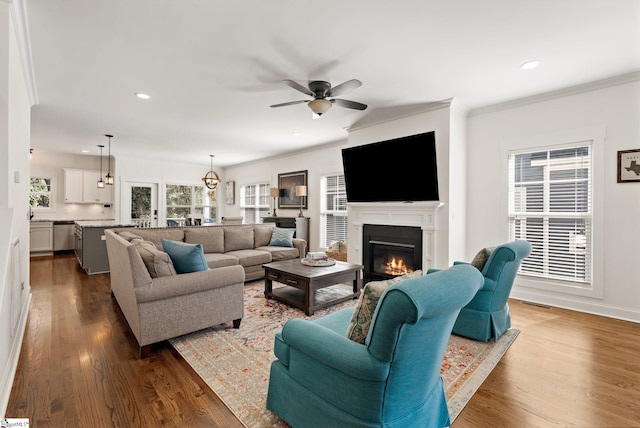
x: 79, y: 367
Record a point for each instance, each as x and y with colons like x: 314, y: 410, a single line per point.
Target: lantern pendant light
x: 100, y: 182
x: 109, y: 178
x: 211, y: 179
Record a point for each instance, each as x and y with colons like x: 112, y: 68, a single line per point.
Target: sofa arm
x: 333, y: 350
x: 301, y: 245
x: 188, y: 283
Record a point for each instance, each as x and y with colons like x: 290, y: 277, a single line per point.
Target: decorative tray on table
x: 309, y: 262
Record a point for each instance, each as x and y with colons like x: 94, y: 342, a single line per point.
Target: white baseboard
x: 9, y: 371
x: 595, y: 308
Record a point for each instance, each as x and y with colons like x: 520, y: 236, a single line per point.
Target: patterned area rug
x: 235, y: 363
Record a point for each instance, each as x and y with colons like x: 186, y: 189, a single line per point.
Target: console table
x: 300, y: 224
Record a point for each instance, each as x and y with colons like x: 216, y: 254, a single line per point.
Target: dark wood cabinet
x: 300, y: 224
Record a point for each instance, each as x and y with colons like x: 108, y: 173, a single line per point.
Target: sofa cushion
x: 156, y: 235
x: 481, y: 258
x: 186, y: 258
x: 360, y: 322
x: 262, y: 234
x: 216, y: 260
x: 158, y: 263
x: 281, y: 253
x: 211, y: 238
x: 238, y: 238
x: 129, y: 236
x: 281, y: 237
x: 251, y: 257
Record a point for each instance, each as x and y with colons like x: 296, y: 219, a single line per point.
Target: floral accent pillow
x: 367, y: 302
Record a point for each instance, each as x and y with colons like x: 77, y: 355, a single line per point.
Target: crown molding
x: 18, y: 10
x: 560, y: 93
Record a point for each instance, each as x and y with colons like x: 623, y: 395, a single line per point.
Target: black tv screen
x: 402, y: 169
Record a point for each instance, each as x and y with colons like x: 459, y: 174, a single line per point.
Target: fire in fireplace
x: 390, y: 251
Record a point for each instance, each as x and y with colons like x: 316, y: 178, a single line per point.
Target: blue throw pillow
x: 281, y: 237
x: 186, y: 258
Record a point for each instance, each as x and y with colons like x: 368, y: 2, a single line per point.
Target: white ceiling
x: 214, y: 67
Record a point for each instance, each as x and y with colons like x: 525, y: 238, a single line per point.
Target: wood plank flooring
x: 79, y: 367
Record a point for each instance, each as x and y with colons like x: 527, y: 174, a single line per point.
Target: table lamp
x: 274, y: 192
x: 301, y: 192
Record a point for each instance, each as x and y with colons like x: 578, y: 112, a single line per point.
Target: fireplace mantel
x: 420, y: 214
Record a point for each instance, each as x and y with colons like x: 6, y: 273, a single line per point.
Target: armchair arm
x: 334, y: 350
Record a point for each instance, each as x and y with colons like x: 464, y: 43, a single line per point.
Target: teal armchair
x: 487, y: 316
x: 323, y: 379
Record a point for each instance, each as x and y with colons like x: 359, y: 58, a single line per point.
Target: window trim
x: 324, y: 211
x: 52, y: 194
x: 558, y: 140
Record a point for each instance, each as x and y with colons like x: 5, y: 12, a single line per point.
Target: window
x: 184, y: 201
x: 333, y: 210
x: 254, y: 202
x: 40, y: 193
x: 551, y: 206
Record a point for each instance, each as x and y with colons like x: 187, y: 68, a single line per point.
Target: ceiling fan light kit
x: 323, y: 94
x: 320, y: 106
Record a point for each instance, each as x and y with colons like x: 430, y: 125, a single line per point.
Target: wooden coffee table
x: 302, y: 282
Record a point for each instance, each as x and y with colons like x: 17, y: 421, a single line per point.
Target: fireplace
x: 390, y: 251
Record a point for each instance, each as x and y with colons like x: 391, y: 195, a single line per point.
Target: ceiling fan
x: 323, y: 94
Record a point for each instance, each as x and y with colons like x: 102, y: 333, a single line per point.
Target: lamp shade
x: 319, y: 106
x: 274, y: 192
x: 301, y: 190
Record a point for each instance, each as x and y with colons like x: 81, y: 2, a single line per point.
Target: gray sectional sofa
x: 159, y: 303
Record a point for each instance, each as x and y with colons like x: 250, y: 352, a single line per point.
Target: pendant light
x: 211, y: 179
x: 100, y: 182
x: 109, y: 178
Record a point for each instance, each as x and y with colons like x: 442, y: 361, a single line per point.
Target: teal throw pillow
x: 186, y: 258
x: 281, y: 237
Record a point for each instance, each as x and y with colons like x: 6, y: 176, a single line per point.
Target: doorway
x: 141, y: 204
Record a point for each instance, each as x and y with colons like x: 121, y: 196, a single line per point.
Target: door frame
x: 125, y: 199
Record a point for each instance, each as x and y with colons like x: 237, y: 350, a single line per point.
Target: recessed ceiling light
x: 296, y: 134
x: 530, y: 64
x: 84, y: 151
x: 142, y: 95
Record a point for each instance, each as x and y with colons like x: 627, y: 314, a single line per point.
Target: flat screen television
x: 402, y: 169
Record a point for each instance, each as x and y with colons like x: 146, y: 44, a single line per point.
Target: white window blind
x: 550, y: 205
x: 333, y: 209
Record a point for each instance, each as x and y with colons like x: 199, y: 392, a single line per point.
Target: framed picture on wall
x: 287, y: 184
x: 628, y: 166
x: 231, y: 192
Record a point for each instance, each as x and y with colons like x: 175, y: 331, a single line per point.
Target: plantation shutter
x: 550, y: 205
x: 335, y: 209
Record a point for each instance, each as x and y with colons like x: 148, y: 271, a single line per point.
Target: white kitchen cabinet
x: 73, y: 185
x: 90, y: 191
x: 81, y: 187
x: 41, y: 236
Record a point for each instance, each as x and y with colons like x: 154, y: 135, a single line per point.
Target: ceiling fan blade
x: 290, y: 103
x: 298, y: 87
x: 345, y: 87
x: 349, y: 104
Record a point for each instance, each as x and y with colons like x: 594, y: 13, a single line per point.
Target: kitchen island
x: 91, y: 244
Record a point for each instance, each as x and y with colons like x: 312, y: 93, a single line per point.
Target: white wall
x: 616, y: 110
x: 14, y: 185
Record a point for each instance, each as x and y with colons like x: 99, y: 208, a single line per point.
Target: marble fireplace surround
x: 417, y: 214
